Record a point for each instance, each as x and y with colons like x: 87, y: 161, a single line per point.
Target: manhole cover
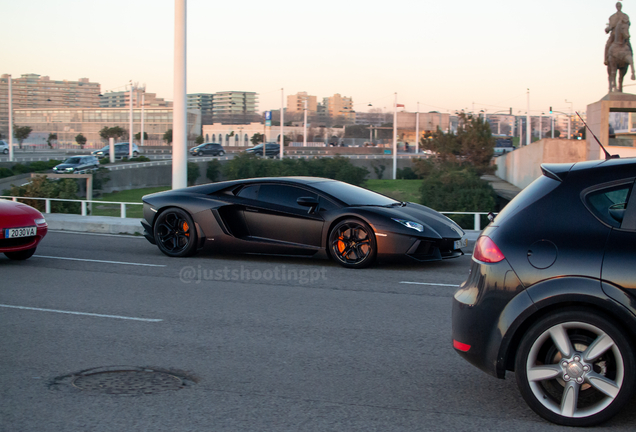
x: 122, y: 380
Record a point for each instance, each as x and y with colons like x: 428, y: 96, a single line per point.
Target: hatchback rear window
x: 608, y: 204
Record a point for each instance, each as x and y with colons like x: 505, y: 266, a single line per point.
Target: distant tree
x: 473, y: 143
x: 81, y: 140
x: 257, y: 138
x: 52, y: 137
x: 557, y: 133
x: 193, y: 173
x: 138, y: 136
x: 167, y: 137
x: 21, y: 133
x: 199, y: 140
x: 112, y: 132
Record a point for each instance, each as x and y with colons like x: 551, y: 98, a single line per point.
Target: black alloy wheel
x: 352, y: 244
x: 175, y: 233
x: 221, y: 153
x: 575, y: 368
x: 20, y: 255
x: 5, y: 151
x: 135, y: 154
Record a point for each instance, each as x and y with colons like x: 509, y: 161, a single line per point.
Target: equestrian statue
x: 618, y: 49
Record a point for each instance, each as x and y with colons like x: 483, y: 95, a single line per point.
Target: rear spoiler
x: 556, y: 172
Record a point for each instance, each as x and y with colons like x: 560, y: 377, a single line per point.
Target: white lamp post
x: 179, y: 113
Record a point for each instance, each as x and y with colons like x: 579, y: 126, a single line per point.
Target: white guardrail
x: 84, y: 207
x: 83, y: 203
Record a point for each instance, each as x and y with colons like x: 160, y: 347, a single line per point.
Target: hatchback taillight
x: 487, y: 251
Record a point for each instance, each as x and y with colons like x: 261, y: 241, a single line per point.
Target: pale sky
x: 447, y: 55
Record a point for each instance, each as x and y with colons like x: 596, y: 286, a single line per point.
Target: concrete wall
x: 162, y: 175
x: 522, y: 166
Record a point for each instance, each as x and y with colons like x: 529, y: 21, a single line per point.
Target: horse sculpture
x: 620, y: 56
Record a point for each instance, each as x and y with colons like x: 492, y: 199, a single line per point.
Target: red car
x: 21, y: 229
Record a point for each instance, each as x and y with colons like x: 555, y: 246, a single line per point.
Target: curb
x: 94, y: 224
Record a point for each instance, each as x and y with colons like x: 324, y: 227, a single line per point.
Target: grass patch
x: 401, y: 190
x: 132, y: 195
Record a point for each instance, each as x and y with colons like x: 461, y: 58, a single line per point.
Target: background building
x: 339, y: 106
x: 234, y: 107
x: 34, y: 91
x: 121, y: 99
x: 296, y: 103
x: 204, y: 103
x: 68, y: 123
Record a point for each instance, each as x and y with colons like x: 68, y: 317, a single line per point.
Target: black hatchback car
x: 272, y: 150
x: 551, y: 293
x: 212, y: 149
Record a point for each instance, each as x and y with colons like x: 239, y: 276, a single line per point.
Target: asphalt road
x: 273, y: 343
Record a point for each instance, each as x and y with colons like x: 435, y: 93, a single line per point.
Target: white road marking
x: 81, y: 313
x: 426, y: 283
x: 100, y: 261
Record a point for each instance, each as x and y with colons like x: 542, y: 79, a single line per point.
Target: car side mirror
x: 617, y: 211
x: 310, y: 202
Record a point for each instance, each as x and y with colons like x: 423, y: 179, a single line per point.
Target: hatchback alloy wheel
x: 575, y: 368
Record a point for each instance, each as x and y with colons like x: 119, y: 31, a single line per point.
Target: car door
x: 276, y: 216
x: 619, y: 211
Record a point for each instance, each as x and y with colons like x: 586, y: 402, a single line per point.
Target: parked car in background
x: 272, y: 150
x: 212, y: 149
x: 121, y: 150
x: 77, y: 165
x: 551, y: 294
x: 302, y: 216
x: 21, y: 229
x: 4, y: 147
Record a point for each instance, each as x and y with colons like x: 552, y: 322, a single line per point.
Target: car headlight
x: 41, y: 222
x: 410, y: 224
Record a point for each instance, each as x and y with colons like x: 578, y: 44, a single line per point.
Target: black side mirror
x: 310, y: 202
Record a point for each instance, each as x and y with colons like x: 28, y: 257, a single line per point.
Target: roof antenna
x: 607, y: 155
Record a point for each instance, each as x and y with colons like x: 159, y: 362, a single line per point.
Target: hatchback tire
x: 575, y: 368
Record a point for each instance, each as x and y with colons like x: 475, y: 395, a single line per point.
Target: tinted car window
x: 283, y: 195
x: 73, y: 160
x: 600, y: 202
x: 354, y: 195
x: 249, y: 192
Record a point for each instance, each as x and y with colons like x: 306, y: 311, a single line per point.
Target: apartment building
x: 339, y: 106
x: 234, y: 107
x: 32, y: 91
x: 296, y: 103
x: 121, y: 99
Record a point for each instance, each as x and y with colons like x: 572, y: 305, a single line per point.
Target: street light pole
x: 417, y: 128
x: 305, y: 126
x: 143, y: 101
x: 282, y: 122
x: 395, y: 138
x: 179, y: 113
x: 130, y: 133
x: 569, y: 120
x: 10, y: 120
x: 528, y: 122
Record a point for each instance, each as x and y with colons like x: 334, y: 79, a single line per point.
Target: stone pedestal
x: 598, y: 120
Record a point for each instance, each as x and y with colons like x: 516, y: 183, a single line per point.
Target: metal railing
x: 84, y: 204
x: 123, y: 205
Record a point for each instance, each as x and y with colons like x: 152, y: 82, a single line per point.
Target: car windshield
x: 73, y: 160
x: 354, y: 195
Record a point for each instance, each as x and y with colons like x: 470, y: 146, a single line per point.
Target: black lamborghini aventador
x: 303, y: 216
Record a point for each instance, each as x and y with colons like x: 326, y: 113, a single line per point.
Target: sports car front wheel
x: 575, y: 368
x: 175, y: 233
x: 352, y: 244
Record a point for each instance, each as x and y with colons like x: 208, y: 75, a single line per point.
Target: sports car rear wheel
x: 21, y: 255
x: 575, y: 368
x: 352, y: 244
x: 175, y: 233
